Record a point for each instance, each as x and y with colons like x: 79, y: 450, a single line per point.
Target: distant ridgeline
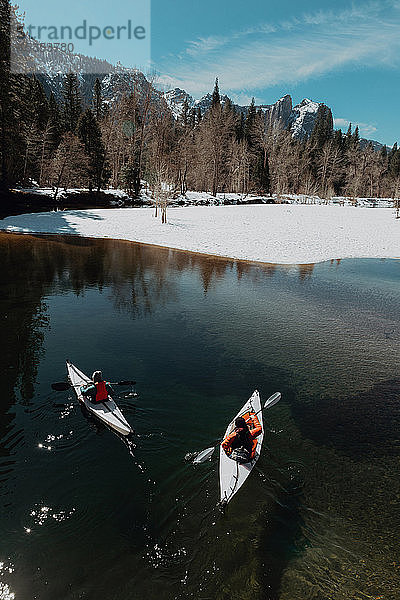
x: 71, y: 121
x: 300, y: 119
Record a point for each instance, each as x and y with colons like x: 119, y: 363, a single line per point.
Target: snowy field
x: 277, y: 233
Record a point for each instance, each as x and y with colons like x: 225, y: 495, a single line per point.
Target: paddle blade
x: 61, y: 386
x: 204, y: 455
x: 125, y: 383
x: 130, y: 395
x: 273, y: 400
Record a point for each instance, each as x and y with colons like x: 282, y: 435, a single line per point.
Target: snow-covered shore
x: 278, y: 233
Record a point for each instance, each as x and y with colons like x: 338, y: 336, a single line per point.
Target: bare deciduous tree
x: 69, y: 165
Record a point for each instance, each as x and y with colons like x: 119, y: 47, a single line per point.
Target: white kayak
x: 107, y: 412
x: 232, y: 475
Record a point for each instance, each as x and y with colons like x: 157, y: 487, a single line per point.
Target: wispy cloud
x: 291, y: 52
x: 366, y: 129
x: 205, y: 45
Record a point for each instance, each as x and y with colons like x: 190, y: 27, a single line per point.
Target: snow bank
x: 65, y: 194
x: 266, y: 233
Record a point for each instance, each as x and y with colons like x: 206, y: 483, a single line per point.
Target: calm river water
x: 82, y: 517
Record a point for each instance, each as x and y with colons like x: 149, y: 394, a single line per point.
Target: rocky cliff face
x: 280, y: 112
x: 300, y: 118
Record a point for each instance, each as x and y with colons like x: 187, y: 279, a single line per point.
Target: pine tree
x: 261, y: 172
x: 323, y: 128
x: 338, y: 169
x: 90, y: 135
x: 348, y: 137
x: 338, y: 139
x: 72, y: 107
x: 39, y: 105
x: 250, y: 123
x: 216, y: 99
x: 356, y: 138
x: 97, y: 101
x: 32, y: 108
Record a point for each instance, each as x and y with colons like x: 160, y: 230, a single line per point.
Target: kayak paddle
x: 203, y: 455
x: 62, y: 386
x: 272, y: 400
x: 208, y: 452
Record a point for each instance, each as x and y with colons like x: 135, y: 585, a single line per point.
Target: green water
x: 81, y: 517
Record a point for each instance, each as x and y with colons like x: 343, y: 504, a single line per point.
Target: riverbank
x: 282, y: 234
x: 22, y: 201
x: 40, y: 199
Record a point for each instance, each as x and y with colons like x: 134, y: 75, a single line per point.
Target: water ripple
x: 41, y: 515
x: 5, y: 590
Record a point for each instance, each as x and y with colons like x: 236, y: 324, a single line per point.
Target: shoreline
x: 267, y: 234
x: 166, y: 248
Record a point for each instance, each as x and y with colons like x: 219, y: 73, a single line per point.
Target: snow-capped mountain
x: 113, y: 85
x: 205, y: 102
x: 28, y: 56
x: 175, y: 99
x: 300, y: 118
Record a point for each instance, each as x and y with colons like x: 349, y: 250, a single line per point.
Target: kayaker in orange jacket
x: 241, y: 443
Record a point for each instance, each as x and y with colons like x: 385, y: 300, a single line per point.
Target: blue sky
x: 346, y: 54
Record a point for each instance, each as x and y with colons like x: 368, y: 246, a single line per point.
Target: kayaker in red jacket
x: 99, y: 390
x: 241, y: 444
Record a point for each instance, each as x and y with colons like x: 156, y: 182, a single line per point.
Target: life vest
x: 242, y: 439
x: 235, y: 440
x: 101, y: 391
